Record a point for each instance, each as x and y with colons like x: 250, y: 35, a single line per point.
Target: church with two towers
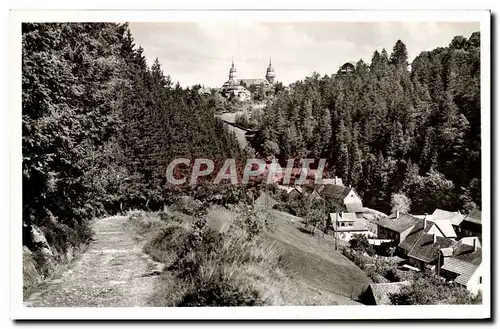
x: 239, y: 88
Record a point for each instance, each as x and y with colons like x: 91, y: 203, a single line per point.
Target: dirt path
x: 112, y: 272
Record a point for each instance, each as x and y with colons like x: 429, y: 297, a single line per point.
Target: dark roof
x: 416, y: 232
x: 400, y: 224
x: 249, y: 82
x: 467, y: 254
x: 474, y: 217
x: 426, y: 250
x: 381, y: 291
x: 464, y: 269
x: 337, y: 191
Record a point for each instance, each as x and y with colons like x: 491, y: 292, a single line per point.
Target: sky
x: 201, y: 52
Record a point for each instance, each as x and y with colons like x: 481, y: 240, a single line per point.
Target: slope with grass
x: 309, y: 261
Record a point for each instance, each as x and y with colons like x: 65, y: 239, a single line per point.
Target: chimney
x: 474, y: 244
x: 433, y: 237
x: 397, y: 214
x: 425, y: 223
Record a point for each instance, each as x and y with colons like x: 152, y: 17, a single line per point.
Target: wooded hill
x: 388, y: 130
x: 99, y: 127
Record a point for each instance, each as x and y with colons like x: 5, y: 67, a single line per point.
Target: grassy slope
x: 312, y: 262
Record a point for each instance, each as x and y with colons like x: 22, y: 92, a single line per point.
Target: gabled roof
x: 426, y: 250
x: 445, y: 226
x: 467, y: 254
x: 416, y: 232
x: 381, y: 291
x: 474, y: 217
x: 337, y: 191
x: 400, y: 224
x: 455, y: 217
x: 463, y: 268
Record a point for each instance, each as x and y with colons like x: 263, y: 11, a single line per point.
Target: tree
x: 399, y: 55
x: 359, y: 242
x: 401, y: 203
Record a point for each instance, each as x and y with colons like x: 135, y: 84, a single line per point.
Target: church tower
x: 232, y: 72
x: 270, y: 73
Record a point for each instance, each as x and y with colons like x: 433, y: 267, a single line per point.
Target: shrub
x: 359, y: 242
x: 221, y: 291
x: 430, y: 290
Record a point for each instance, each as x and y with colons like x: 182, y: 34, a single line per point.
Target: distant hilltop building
x: 238, y: 89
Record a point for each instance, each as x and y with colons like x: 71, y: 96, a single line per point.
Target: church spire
x: 269, y: 61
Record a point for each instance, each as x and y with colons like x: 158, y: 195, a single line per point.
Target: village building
x: 238, y: 89
x: 346, y: 224
x: 396, y: 228
x: 453, y: 217
x: 471, y: 225
x: 422, y: 227
x: 463, y: 266
x: 379, y: 293
x: 342, y: 194
x: 347, y: 68
x: 205, y: 91
x: 425, y: 253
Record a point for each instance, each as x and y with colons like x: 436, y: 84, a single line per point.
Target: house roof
x: 400, y: 224
x: 332, y: 181
x: 474, y: 217
x: 455, y: 217
x: 337, y: 191
x: 381, y: 291
x: 447, y: 252
x: 467, y: 254
x: 249, y: 82
x: 415, y: 233
x: 464, y: 269
x: 426, y: 250
x: 445, y: 226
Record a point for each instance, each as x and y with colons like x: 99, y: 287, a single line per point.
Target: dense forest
x: 99, y: 126
x: 391, y: 132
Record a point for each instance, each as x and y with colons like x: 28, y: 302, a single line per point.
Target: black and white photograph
x: 251, y: 164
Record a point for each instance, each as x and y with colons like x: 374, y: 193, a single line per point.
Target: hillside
x: 310, y: 260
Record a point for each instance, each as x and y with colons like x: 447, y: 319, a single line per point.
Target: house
x: 397, y: 228
x: 347, y: 68
x: 452, y: 217
x: 342, y: 194
x: 471, y: 225
x: 346, y: 224
x: 425, y: 253
x: 464, y: 266
x: 379, y: 293
x: 420, y: 228
x: 292, y: 191
x: 445, y: 221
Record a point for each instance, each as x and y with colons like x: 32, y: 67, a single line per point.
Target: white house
x: 346, y: 224
x: 465, y: 266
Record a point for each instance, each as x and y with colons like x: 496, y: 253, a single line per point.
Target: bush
x: 359, y: 242
x: 430, y: 290
x: 221, y: 291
